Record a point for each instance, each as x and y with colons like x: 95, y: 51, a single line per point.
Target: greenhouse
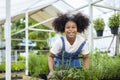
x: 27, y: 34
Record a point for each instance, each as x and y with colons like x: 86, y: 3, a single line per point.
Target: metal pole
x: 26, y: 42
x: 0, y: 45
x: 44, y: 30
x: 8, y: 40
x: 117, y: 44
x: 15, y: 55
x: 90, y: 36
x: 107, y: 7
x: 50, y: 38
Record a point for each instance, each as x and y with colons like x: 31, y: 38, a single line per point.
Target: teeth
x: 71, y: 33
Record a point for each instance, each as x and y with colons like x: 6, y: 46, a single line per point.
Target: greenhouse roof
x: 41, y: 10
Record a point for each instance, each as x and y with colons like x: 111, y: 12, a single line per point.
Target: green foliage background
x: 33, y: 35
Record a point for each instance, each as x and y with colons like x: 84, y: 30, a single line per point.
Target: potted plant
x: 99, y: 25
x: 38, y: 65
x: 114, y: 22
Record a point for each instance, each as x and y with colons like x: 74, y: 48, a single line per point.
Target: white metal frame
x: 8, y: 30
x: 8, y: 40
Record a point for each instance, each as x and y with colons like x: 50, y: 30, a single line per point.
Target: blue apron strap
x: 80, y: 48
x: 63, y: 44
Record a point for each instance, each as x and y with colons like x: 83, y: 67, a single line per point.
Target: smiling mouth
x: 71, y: 33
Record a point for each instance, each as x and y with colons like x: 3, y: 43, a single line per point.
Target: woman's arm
x: 51, y: 62
x: 86, y: 61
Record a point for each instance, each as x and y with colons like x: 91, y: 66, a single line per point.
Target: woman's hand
x: 51, y: 64
x: 50, y: 74
x: 86, y: 61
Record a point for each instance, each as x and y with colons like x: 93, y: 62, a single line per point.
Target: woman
x: 67, y: 48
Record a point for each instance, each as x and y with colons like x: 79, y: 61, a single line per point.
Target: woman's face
x: 70, y: 29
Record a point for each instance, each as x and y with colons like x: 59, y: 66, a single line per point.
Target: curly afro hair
x: 81, y: 21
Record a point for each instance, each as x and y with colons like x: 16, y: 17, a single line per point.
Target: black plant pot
x: 15, y: 77
x: 114, y: 30
x: 99, y: 33
x: 43, y: 76
x: 112, y: 79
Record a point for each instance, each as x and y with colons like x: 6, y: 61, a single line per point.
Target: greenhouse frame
x: 44, y: 12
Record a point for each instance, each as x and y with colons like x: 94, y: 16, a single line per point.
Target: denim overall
x: 68, y: 59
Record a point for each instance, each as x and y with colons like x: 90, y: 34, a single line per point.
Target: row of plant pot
x: 13, y: 78
x: 38, y: 65
x: 15, y: 67
x: 113, y: 23
x: 102, y: 67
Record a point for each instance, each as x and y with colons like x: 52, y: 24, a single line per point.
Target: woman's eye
x: 74, y: 27
x: 67, y: 27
